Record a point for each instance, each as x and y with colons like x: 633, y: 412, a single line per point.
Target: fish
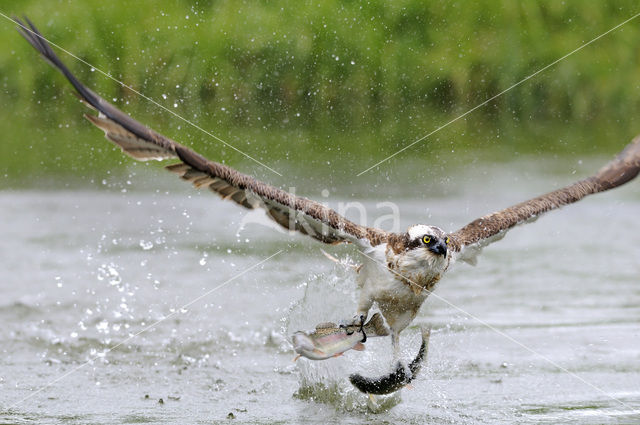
x: 331, y: 340
x: 399, y: 378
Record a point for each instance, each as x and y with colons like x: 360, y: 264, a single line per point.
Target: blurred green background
x: 306, y: 84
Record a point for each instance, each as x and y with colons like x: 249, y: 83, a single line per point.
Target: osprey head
x: 431, y: 239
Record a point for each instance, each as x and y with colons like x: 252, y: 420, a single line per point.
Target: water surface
x: 83, y: 270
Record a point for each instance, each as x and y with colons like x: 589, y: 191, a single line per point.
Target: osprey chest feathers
x: 418, y: 269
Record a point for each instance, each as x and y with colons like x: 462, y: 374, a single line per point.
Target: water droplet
x: 146, y: 245
x: 109, y: 273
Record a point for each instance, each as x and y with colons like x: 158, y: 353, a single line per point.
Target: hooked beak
x: 440, y: 248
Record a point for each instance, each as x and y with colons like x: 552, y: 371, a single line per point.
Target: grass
x: 315, y: 82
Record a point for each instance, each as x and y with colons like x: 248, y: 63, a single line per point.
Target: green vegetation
x: 311, y: 82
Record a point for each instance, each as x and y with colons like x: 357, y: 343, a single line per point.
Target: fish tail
x: 401, y: 376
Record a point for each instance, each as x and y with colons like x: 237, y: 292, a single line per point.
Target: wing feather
x: 470, y: 239
x: 142, y: 143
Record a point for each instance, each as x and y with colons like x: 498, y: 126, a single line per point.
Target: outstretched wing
x: 142, y: 143
x: 470, y: 240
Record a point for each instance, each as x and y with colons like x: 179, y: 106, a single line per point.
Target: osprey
x: 399, y: 269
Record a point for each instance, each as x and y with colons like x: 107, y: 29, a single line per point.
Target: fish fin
x: 409, y: 386
x: 337, y: 355
x: 319, y: 352
x: 359, y: 347
x: 297, y: 357
x: 326, y: 325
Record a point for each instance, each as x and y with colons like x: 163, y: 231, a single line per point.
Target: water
x: 84, y: 270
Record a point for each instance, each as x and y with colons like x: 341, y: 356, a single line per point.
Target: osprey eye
x: 426, y: 239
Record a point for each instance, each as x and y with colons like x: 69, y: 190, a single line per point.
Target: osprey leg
x: 395, y: 343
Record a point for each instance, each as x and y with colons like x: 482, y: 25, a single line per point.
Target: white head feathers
x: 418, y: 230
